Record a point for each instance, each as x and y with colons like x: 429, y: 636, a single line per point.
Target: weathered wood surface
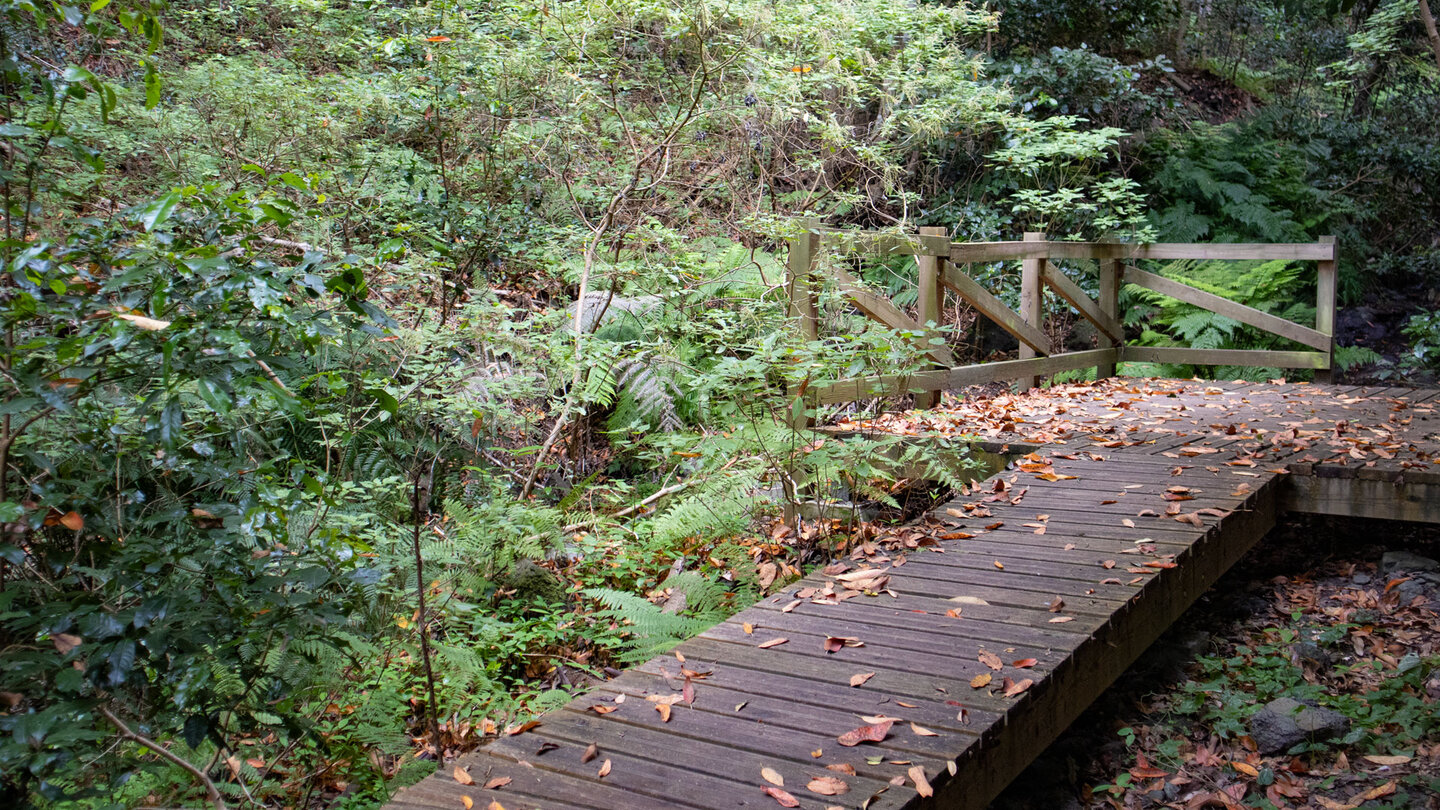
x: 1250, y: 316
x: 1114, y: 460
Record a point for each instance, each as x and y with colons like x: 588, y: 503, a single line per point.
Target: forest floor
x: 1330, y: 611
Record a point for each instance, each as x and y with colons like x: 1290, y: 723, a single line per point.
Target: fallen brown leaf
x: 827, y: 786
x: 785, y: 799
x: 922, y: 785
x: 872, y: 733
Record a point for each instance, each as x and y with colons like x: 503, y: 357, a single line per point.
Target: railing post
x: 800, y: 287
x: 1325, y: 286
x: 929, y: 305
x: 801, y: 282
x: 1032, y: 300
x: 1109, y: 302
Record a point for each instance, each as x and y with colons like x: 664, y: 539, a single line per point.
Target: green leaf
x: 98, y: 4
x: 74, y: 74
x: 154, y: 214
x: 152, y: 86
x: 213, y: 395
x: 385, y: 400
x: 172, y: 421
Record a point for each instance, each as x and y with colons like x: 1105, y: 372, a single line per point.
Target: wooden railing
x: 940, y: 262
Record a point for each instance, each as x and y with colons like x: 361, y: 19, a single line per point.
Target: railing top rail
x: 965, y: 252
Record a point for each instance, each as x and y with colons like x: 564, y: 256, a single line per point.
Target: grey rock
x: 1408, y: 562
x: 1361, y: 579
x: 619, y: 308
x: 1309, y: 651
x: 1409, y: 589
x: 532, y: 581
x: 1286, y: 722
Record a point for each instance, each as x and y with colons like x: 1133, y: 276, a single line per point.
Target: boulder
x: 531, y: 581
x: 1408, y: 562
x: 619, y: 310
x: 1286, y: 722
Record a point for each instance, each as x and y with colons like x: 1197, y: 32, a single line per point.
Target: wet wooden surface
x: 1060, y: 570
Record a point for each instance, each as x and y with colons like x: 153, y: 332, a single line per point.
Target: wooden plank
x: 1108, y: 325
x: 800, y: 288
x: 1357, y: 497
x: 994, y: 309
x: 803, y: 692
x: 959, y: 377
x: 1222, y: 357
x: 967, y: 252
x: 1303, y: 335
x: 1326, y: 281
x: 1097, y: 664
x: 780, y: 713
x: 732, y: 750
x: 528, y: 786
x: 880, y: 309
x: 1032, y: 306
x: 930, y: 303
x: 1303, y: 251
x: 1109, y: 304
x: 878, y: 243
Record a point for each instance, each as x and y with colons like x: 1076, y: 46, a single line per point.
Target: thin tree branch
x: 212, y: 793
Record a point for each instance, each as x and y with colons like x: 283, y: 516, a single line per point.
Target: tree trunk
x: 1429, y: 20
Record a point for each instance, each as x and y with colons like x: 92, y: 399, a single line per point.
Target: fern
x: 653, y: 630
x: 646, y: 398
x: 1277, y: 287
x: 716, y: 507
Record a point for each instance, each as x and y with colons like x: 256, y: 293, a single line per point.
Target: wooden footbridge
x: 932, y: 677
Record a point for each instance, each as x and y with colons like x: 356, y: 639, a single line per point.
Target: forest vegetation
x: 374, y: 372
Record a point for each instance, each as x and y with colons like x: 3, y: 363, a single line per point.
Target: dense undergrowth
x: 312, y: 470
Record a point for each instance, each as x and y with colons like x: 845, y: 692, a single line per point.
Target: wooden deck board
x: 1246, y: 450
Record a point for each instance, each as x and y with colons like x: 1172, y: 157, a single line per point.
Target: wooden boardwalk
x: 1130, y: 499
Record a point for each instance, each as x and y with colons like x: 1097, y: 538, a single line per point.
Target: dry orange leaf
x: 772, y: 776
x: 467, y: 801
x: 860, y: 678
x: 461, y: 776
x: 921, y: 731
x: 498, y: 782
x: 980, y: 681
x: 605, y: 768
x: 774, y: 642
x: 1016, y: 688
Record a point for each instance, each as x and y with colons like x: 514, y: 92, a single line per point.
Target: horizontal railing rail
x: 939, y: 261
